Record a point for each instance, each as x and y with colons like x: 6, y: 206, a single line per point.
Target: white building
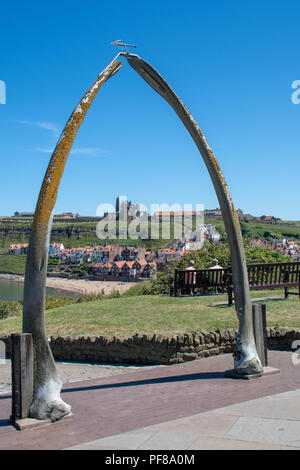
x: 212, y: 234
x: 54, y: 248
x: 195, y: 239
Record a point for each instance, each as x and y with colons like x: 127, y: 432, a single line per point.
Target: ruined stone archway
x: 47, y: 402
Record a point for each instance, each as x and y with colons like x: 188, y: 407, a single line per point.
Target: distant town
x: 112, y: 261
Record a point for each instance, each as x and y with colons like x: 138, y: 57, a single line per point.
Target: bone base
x: 246, y: 360
x: 266, y: 371
x: 252, y: 366
x: 31, y: 423
x: 47, y: 403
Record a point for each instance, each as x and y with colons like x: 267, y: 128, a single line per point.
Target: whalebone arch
x: 47, y: 402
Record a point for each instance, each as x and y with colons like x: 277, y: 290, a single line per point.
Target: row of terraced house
x: 101, y: 253
x: 18, y: 249
x: 107, y: 253
x: 22, y: 249
x: 110, y: 260
x: 124, y: 269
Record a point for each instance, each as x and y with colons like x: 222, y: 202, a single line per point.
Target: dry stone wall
x: 155, y: 349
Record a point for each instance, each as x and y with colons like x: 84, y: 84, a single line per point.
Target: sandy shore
x: 85, y: 286
x: 78, y: 286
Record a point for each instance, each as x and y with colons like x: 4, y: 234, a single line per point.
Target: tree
x: 203, y: 257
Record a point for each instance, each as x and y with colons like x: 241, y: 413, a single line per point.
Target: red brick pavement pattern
x: 117, y: 404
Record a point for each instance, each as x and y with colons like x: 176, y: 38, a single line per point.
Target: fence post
x: 229, y: 292
x: 175, y: 283
x: 22, y: 375
x: 260, y: 332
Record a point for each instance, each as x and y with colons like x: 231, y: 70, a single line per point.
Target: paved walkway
x: 269, y: 423
x: 185, y: 406
x: 254, y: 299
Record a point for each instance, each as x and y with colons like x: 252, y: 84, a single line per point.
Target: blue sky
x: 232, y: 63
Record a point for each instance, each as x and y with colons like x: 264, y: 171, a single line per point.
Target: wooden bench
x: 261, y: 276
x: 183, y: 281
x: 270, y: 276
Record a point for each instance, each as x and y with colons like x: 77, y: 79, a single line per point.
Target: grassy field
x: 72, y: 235
x: 254, y: 229
x: 126, y: 316
x: 12, y: 264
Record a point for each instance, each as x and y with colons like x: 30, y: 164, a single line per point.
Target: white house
x: 54, y: 248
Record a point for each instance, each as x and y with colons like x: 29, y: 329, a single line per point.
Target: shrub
x: 10, y: 308
x: 79, y: 272
x: 203, y: 257
x: 114, y: 295
x: 91, y: 297
x: 98, y: 296
x: 158, y: 286
x: 58, y: 301
x: 53, y: 262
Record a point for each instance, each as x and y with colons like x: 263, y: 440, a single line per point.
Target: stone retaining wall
x: 155, y: 349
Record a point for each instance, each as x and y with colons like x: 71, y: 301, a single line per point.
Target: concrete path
x: 269, y: 423
x: 179, y: 407
x: 255, y: 299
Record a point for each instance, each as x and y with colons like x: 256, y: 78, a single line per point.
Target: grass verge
x: 126, y: 316
x: 13, y: 264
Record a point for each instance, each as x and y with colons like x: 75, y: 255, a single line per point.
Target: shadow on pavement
x: 178, y: 378
x: 5, y: 422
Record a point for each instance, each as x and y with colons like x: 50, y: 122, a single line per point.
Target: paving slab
x: 267, y: 407
x: 213, y: 443
x: 201, y: 424
x: 274, y: 431
x: 129, y: 440
x: 162, y: 440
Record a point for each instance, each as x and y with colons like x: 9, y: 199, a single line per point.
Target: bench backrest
x: 200, y: 277
x: 274, y: 274
x: 259, y: 274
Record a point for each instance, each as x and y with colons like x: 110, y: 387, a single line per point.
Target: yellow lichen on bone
x: 50, y: 186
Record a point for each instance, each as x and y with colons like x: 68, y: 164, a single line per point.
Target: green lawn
x: 12, y: 264
x: 126, y: 316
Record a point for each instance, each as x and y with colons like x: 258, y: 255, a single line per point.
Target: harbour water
x: 11, y: 290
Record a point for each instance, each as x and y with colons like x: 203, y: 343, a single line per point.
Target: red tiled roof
x: 120, y: 264
x: 102, y: 265
x: 142, y: 262
x: 130, y: 264
x: 18, y: 246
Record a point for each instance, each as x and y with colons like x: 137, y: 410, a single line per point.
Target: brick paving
x: 117, y: 404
